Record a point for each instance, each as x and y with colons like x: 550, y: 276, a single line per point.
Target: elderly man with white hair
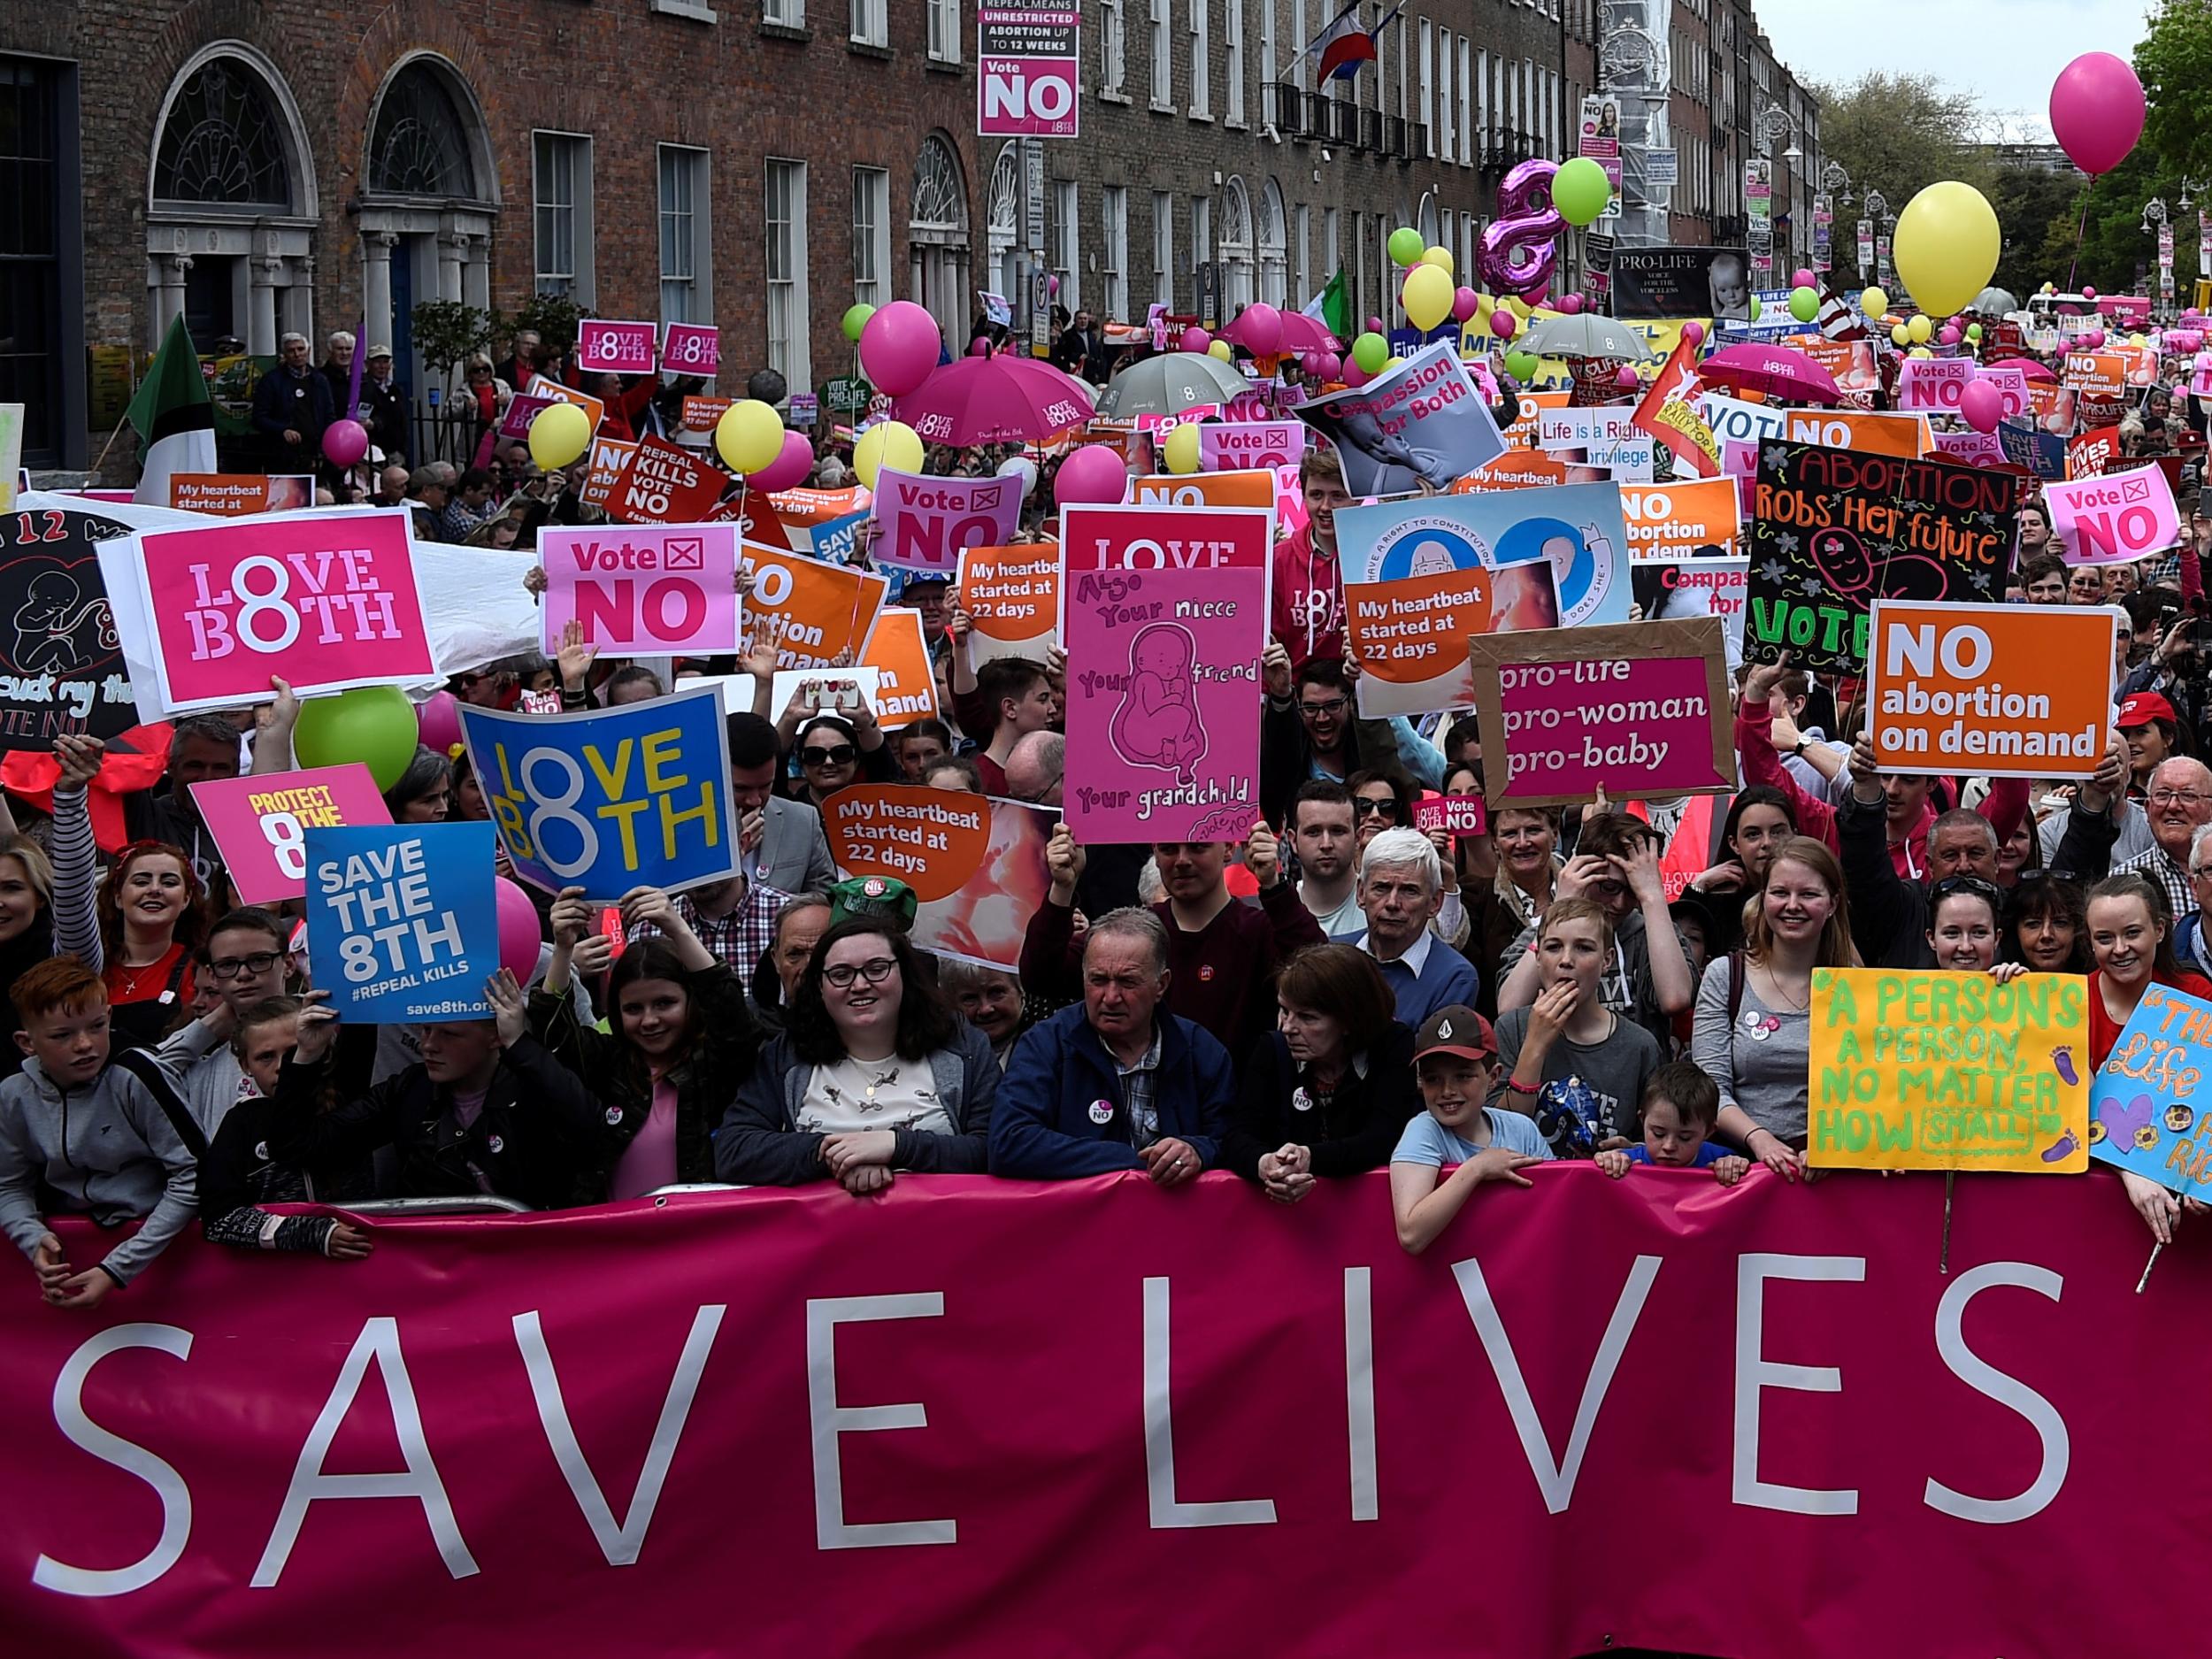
x: 1401, y: 885
x: 2179, y: 804
x: 291, y: 406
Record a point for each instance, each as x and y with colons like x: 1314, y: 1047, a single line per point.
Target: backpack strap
x: 1735, y: 985
x: 148, y: 1070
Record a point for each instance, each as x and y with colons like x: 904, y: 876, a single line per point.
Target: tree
x: 2174, y: 62
x: 2116, y: 254
x: 2033, y: 206
x: 1899, y: 134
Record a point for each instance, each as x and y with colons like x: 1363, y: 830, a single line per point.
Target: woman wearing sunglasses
x: 1378, y: 802
x: 874, y: 1072
x: 833, y: 752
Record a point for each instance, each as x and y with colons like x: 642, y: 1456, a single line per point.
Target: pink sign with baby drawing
x: 1163, y: 704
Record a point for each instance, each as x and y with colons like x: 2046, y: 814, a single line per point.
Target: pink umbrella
x: 1300, y: 333
x: 2033, y: 370
x: 1786, y: 376
x: 1002, y: 398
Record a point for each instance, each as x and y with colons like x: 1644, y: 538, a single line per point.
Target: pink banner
x: 2116, y: 519
x: 643, y: 590
x: 1164, y: 715
x: 1228, y: 447
x: 325, y: 600
x: 692, y: 349
x: 922, y: 524
x: 1103, y: 1420
x: 260, y: 822
x: 611, y: 347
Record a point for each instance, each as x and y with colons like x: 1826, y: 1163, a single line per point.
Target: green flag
x: 1332, y: 307
x: 173, y: 417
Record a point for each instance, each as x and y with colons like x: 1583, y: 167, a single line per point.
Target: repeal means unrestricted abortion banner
x: 1026, y: 1414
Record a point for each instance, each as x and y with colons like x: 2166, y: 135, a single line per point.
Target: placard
x: 1164, y: 703
x: 1027, y: 76
x: 2089, y: 453
x: 2116, y: 519
x: 611, y: 798
x: 603, y: 468
x: 1234, y: 446
x: 662, y: 484
x: 1996, y: 691
x: 642, y: 590
x: 906, y: 689
x: 1905, y: 436
x: 1733, y: 419
x: 1422, y: 423
x: 1464, y: 816
x: 814, y: 612
x: 688, y: 348
x: 605, y: 347
x: 1837, y: 529
x: 703, y: 414
x: 1641, y: 709
x: 1130, y: 538
x: 1012, y: 598
x: 976, y: 864
x: 61, y: 665
x: 553, y: 391
x: 1934, y: 383
x: 2097, y: 373
x: 1576, y: 530
x: 402, y: 922
x: 923, y: 523
x: 2145, y: 1113
x: 325, y: 599
x: 1254, y: 488
x: 522, y: 409
x: 260, y: 823
x: 237, y: 494
x: 1920, y: 1070
x: 1516, y: 469
x: 1682, y: 523
x: 1409, y: 637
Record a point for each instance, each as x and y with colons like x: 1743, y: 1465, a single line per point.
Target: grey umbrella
x: 1584, y: 335
x: 1169, y: 383
x: 1993, y: 302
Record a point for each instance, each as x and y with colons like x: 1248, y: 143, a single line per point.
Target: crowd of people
x: 1337, y: 993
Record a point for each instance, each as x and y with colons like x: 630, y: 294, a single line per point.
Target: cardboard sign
x: 260, y: 823
x: 325, y: 599
x: 1934, y: 383
x: 2098, y: 373
x: 1411, y: 638
x: 2146, y: 1103
x: 522, y: 409
x: 977, y: 865
x: 1732, y: 419
x: 2039, y: 454
x: 605, y: 465
x: 662, y: 484
x: 923, y: 523
x: 807, y: 507
x: 1919, y: 1070
x: 402, y: 925
x: 1971, y: 448
x: 1463, y: 815
x: 236, y: 495
x: 2000, y: 691
x: 1516, y: 469
x: 1028, y: 78
x: 1642, y: 709
x: 1682, y: 523
x: 2114, y: 519
x: 603, y: 347
x: 816, y: 611
x: 1131, y: 538
x: 61, y: 665
x: 703, y: 414
x: 1584, y: 429
x: 1422, y: 423
x: 1233, y: 446
x: 1577, y: 531
x: 1256, y: 488
x: 1012, y: 598
x: 553, y: 391
x: 1837, y: 529
x: 1163, y: 704
x: 1905, y: 436
x: 642, y: 590
x: 906, y: 690
x: 2089, y: 453
x: 688, y: 348
x: 611, y: 798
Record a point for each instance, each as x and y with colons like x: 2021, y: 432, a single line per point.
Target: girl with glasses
x: 874, y: 1072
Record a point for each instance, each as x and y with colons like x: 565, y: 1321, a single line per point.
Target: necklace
x: 1782, y: 995
x: 132, y: 978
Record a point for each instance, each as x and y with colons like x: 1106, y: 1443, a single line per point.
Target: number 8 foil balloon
x: 1518, y: 250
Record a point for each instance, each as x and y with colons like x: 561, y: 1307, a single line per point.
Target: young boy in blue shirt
x: 1681, y: 1107
x: 1456, y: 1055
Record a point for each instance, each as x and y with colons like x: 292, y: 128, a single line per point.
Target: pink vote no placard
x: 324, y: 600
x: 651, y: 588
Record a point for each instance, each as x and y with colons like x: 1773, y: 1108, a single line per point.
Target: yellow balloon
x: 1874, y: 301
x: 1427, y: 296
x: 1946, y: 245
x: 1900, y: 336
x: 1180, y: 452
x: 1440, y: 258
x: 1392, y: 366
x: 559, y: 434
x: 891, y: 444
x: 1219, y: 349
x: 1920, y: 351
x: 749, y: 436
x: 1920, y: 329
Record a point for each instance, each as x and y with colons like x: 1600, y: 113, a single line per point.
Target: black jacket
x: 282, y: 404
x: 535, y: 1135
x: 387, y: 420
x: 1355, y: 1131
x: 1287, y: 754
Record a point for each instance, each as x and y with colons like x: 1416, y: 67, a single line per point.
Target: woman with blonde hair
x: 1753, y: 1024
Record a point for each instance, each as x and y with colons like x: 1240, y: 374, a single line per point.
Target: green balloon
x: 1974, y: 332
x: 374, y: 725
x: 1371, y: 352
x: 1405, y: 246
x: 856, y: 319
x: 1804, y: 304
x: 1523, y: 366
x: 1755, y: 308
x: 1580, y: 190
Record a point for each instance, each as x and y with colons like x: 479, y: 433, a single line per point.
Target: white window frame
x: 1201, y: 62
x: 697, y: 214
x: 1466, y: 105
x: 1163, y: 248
x: 1331, y: 247
x: 872, y: 235
x: 1066, y: 230
x: 1163, y: 66
x: 1445, y: 147
x: 870, y: 25
x: 944, y: 31
x: 791, y: 14
x: 1302, y: 215
x: 1113, y: 48
x: 1428, y: 86
x: 579, y: 277
x: 788, y: 302
x: 1233, y: 61
x: 1113, y: 203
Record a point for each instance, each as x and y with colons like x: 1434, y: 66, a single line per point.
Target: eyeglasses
x: 875, y: 971
x: 1362, y: 806
x: 1334, y: 705
x: 2176, y: 797
x: 258, y: 964
x: 836, y: 755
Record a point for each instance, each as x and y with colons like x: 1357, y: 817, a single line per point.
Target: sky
x: 2005, y: 52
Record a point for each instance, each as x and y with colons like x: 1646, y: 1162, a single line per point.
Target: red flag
x: 1670, y: 414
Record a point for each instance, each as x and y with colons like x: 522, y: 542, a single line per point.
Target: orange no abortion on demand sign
x: 2007, y: 691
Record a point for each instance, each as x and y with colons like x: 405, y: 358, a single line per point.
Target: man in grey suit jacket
x: 782, y: 841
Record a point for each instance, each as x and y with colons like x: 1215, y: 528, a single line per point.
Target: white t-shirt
x: 857, y: 1094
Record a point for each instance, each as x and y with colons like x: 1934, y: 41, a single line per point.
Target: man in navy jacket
x: 1117, y: 1083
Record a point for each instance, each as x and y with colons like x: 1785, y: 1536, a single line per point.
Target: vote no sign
x: 325, y: 601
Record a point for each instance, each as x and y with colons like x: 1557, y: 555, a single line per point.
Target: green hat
x: 873, y: 896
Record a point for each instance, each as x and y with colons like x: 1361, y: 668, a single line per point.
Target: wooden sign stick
x: 2145, y: 1280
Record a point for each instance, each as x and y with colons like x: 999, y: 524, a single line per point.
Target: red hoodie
x: 1308, y: 611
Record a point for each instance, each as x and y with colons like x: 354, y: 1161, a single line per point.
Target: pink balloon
x: 1805, y: 279
x: 1374, y: 324
x: 1626, y: 379
x: 1982, y: 405
x: 345, y: 443
x: 1950, y: 336
x: 2097, y: 111
x: 1353, y: 374
x: 2093, y: 339
x: 1052, y: 285
x: 1309, y: 363
x: 438, y: 717
x: 1331, y: 365
x: 978, y: 347
x: 2088, y: 292
x: 1091, y: 475
x: 1503, y: 323
x: 789, y: 469
x: 1465, y: 304
x: 1261, y: 328
x: 899, y: 348
x: 1570, y: 304
x: 519, y: 929
x: 1195, y: 339
x: 1695, y: 333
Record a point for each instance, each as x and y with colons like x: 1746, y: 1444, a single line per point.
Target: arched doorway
x: 231, y: 209
x: 429, y: 194
x: 1002, y: 223
x: 1274, y: 248
x: 1235, y: 249
x: 937, y: 235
